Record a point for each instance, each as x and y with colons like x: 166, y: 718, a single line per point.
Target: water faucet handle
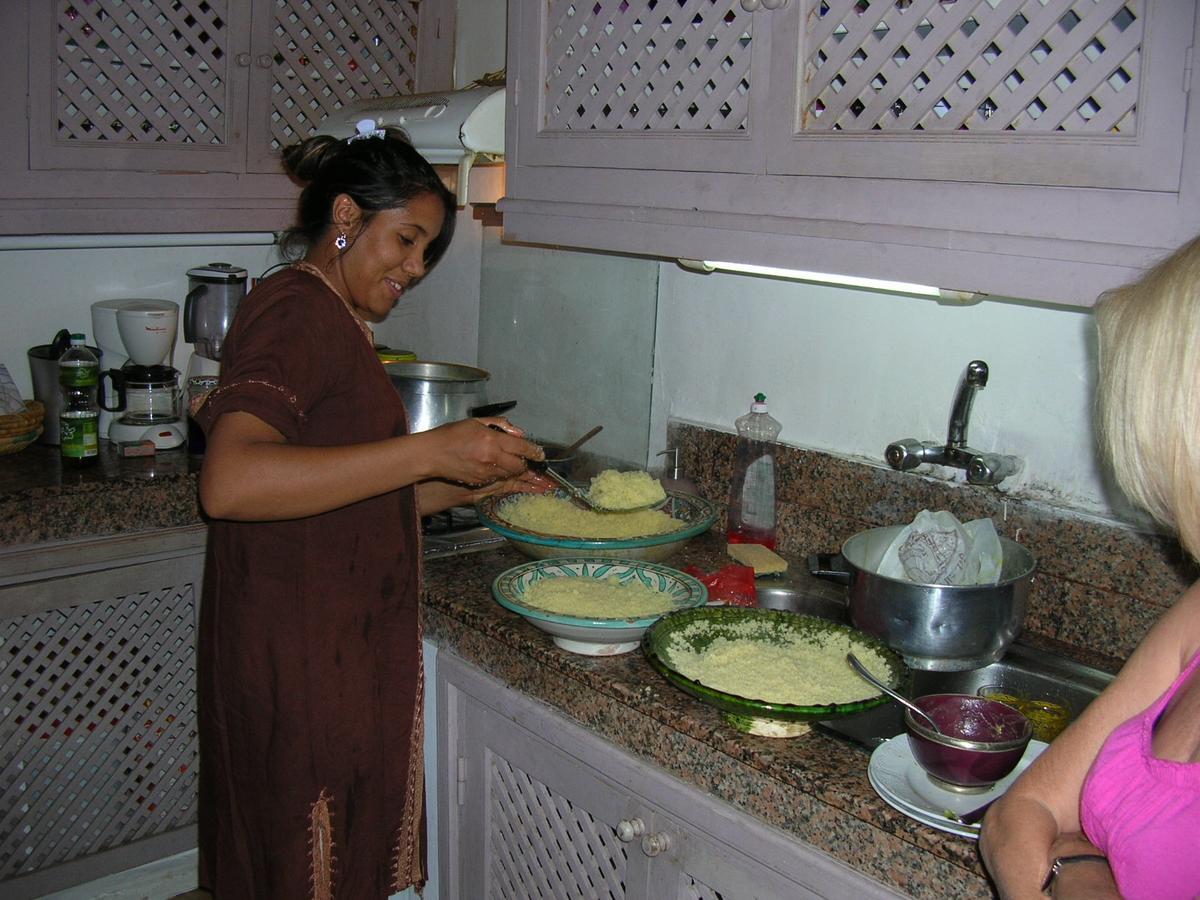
x: 910, y: 453
x: 991, y: 468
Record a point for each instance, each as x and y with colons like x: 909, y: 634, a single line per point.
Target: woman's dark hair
x: 378, y: 173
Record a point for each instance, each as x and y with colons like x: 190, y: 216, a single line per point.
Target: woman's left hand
x: 526, y: 482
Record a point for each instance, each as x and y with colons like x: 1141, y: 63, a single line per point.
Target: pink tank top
x: 1144, y: 812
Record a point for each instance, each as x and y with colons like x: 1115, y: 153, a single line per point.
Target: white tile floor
x: 163, y: 879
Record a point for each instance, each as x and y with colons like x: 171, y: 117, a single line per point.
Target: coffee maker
x: 139, y: 396
x: 214, y: 292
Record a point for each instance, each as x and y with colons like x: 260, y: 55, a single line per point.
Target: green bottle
x: 79, y: 418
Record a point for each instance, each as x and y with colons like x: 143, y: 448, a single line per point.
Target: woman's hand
x: 479, y: 452
x: 437, y: 495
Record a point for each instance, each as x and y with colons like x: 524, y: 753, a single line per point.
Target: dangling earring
x: 341, y: 241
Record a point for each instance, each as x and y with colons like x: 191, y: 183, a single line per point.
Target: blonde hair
x: 1149, y: 390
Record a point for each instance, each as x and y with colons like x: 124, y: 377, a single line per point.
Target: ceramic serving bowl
x: 982, y: 740
x: 696, y: 629
x: 595, y: 636
x: 695, y: 516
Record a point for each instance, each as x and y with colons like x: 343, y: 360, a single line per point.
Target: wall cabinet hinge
x: 461, y: 779
x: 1187, y: 69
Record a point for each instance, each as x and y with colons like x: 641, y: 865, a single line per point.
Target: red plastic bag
x: 732, y: 585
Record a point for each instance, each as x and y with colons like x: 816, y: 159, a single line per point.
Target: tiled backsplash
x: 1099, y: 586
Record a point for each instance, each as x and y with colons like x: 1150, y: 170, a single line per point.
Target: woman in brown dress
x: 310, y: 680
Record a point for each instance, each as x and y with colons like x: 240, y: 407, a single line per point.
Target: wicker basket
x: 19, y: 430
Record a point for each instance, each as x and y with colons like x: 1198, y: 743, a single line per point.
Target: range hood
x: 451, y: 127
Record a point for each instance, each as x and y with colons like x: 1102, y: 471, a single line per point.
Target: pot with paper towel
x: 936, y: 627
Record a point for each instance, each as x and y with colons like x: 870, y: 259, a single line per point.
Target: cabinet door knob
x: 774, y: 4
x: 654, y: 844
x: 242, y: 59
x: 628, y: 829
x: 263, y: 61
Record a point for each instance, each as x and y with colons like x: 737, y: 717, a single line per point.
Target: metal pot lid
x: 223, y: 273
x: 449, y: 373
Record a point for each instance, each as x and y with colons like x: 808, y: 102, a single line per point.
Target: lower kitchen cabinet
x: 98, y: 749
x: 531, y: 805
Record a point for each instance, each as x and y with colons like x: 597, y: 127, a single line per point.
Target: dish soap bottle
x: 752, y: 489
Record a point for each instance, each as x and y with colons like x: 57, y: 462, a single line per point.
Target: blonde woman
x: 1112, y: 808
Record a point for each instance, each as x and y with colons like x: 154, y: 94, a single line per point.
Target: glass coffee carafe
x: 147, y: 398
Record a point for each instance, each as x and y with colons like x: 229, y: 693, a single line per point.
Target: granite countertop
x: 41, y: 502
x: 813, y: 787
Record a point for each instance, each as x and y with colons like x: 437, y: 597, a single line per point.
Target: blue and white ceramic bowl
x: 694, y: 514
x: 595, y: 637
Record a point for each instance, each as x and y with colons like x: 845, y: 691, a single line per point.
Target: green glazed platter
x: 678, y: 630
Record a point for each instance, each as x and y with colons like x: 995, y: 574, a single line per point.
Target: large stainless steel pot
x: 435, y: 393
x: 941, y: 628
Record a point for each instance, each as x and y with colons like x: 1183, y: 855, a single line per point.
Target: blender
x: 214, y: 292
x: 145, y: 389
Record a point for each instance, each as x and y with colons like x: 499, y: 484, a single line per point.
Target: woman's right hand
x: 480, y: 451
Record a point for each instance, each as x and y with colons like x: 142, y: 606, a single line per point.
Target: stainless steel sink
x: 1024, y: 671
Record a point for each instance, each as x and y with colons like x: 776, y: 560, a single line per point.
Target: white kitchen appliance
x: 455, y: 127
x: 160, y: 316
x: 214, y: 292
x: 138, y: 337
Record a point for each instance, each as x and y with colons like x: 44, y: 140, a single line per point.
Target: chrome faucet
x: 981, y: 468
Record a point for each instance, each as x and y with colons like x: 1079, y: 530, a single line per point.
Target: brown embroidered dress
x: 310, y: 638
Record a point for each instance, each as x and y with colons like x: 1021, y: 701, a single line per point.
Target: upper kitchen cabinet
x: 148, y: 115
x: 1036, y: 149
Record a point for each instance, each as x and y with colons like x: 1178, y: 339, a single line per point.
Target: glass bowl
x: 771, y: 626
x: 982, y: 740
x: 695, y: 514
x: 593, y: 636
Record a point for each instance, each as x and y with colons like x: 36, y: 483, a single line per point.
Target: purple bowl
x: 982, y: 740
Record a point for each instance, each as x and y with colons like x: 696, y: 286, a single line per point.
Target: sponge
x: 758, y: 557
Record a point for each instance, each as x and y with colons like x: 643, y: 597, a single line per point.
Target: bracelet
x: 1057, y: 866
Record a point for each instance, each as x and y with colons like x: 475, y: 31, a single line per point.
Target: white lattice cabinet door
x: 631, y: 83
x: 135, y: 84
x: 215, y: 85
x: 1038, y: 92
x: 534, y: 807
x: 311, y: 58
x: 98, y: 731
x: 527, y: 821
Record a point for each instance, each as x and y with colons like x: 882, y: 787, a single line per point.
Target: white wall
x: 439, y: 319
x: 849, y: 371
x: 569, y: 335
x: 44, y: 290
x: 478, y: 39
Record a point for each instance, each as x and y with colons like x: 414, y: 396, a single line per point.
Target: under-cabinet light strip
x: 109, y: 241
x: 874, y: 284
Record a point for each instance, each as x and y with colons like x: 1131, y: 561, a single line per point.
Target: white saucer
x: 903, y: 784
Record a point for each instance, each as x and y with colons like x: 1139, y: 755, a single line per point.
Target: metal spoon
x: 540, y: 466
x: 899, y: 698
